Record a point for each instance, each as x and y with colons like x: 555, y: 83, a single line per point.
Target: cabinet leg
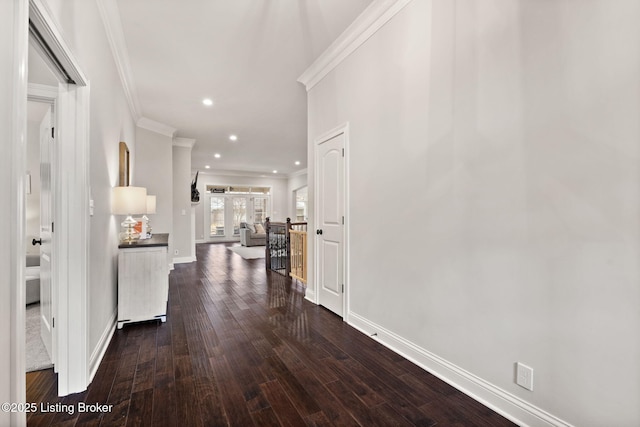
x: 163, y: 319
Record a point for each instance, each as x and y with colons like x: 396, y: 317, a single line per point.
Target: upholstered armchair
x: 252, y: 234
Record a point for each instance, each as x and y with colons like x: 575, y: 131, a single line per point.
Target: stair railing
x: 286, y: 249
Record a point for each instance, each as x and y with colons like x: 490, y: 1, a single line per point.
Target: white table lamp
x: 151, y: 209
x: 129, y: 201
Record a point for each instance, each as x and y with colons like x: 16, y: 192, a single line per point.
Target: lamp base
x: 129, y: 235
x: 146, y: 228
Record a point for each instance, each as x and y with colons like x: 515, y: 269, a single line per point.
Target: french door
x: 228, y: 211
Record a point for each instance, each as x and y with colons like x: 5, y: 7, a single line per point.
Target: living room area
x: 234, y: 208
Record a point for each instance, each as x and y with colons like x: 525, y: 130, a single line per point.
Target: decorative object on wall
x: 124, y: 165
x: 195, y: 194
x: 129, y: 201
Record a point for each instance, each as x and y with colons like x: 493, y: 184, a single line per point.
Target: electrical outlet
x: 175, y: 252
x: 524, y: 376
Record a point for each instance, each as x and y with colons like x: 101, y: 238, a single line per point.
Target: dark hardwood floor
x: 242, y: 347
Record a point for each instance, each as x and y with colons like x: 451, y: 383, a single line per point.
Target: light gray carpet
x: 248, y: 252
x: 37, y: 356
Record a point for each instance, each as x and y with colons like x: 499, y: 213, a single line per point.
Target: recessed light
x: 207, y: 167
x: 233, y: 137
x: 208, y: 102
x: 275, y: 171
x: 217, y: 155
x: 297, y: 162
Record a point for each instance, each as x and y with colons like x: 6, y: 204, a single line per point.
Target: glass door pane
x: 239, y: 213
x: 260, y: 209
x: 217, y: 216
x: 301, y: 205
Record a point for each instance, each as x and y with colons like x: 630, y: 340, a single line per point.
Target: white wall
x: 182, y: 232
x: 110, y: 123
x: 279, y: 206
x: 154, y: 171
x: 500, y: 139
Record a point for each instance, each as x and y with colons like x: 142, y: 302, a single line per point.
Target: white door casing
x: 70, y: 189
x: 329, y: 208
x: 46, y: 219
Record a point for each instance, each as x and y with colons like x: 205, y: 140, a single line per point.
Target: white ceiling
x: 246, y: 55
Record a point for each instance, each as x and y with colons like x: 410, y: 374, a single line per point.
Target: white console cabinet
x: 143, y: 280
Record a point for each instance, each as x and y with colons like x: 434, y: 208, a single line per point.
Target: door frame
x: 294, y: 208
x: 14, y: 358
x: 344, y: 130
x: 70, y: 210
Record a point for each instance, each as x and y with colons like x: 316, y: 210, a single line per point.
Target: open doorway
x: 55, y: 78
x: 39, y: 310
x: 300, y: 202
x: 40, y: 339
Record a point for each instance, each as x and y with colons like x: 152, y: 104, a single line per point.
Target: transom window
x: 228, y: 189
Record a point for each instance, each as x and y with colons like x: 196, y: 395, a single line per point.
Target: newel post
x: 267, y: 253
x: 288, y: 245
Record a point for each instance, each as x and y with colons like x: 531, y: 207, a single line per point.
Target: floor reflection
x: 286, y: 299
x: 224, y: 273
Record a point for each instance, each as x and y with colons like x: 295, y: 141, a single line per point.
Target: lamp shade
x: 129, y: 200
x: 151, y: 204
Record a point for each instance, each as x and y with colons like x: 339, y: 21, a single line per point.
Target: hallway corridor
x: 242, y: 347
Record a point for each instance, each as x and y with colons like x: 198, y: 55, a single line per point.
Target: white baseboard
x: 310, y: 295
x: 103, y: 344
x: 184, y: 260
x: 200, y: 241
x: 499, y: 400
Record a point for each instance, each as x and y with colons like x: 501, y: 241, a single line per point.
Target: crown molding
x: 297, y: 173
x: 183, y: 142
x: 110, y: 15
x: 247, y: 174
x: 156, y: 127
x: 368, y: 23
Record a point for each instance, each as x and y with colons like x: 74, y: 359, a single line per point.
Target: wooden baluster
x: 287, y: 267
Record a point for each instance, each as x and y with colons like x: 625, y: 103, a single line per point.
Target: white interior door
x: 46, y: 221
x: 330, y: 218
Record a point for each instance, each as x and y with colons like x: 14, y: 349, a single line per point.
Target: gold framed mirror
x: 124, y: 165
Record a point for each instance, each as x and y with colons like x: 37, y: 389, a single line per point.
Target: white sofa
x: 249, y: 236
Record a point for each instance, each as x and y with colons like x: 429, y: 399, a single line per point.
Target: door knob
x: 319, y: 231
x: 36, y: 242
